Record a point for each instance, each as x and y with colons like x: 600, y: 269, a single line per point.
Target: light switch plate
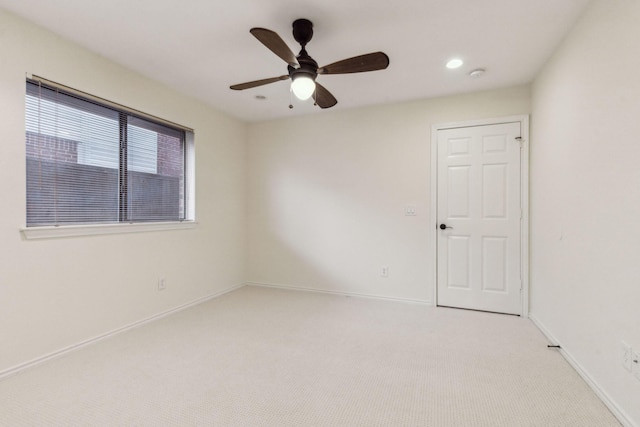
x: 410, y: 210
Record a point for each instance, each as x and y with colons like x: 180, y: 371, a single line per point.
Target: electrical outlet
x: 384, y: 272
x: 162, y: 284
x: 635, y: 364
x: 626, y: 356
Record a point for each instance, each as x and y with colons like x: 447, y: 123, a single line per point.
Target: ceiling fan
x: 303, y: 69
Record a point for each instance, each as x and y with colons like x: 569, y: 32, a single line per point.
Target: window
x: 91, y: 162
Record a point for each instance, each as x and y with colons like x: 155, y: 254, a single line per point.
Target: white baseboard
x: 66, y: 350
x: 348, y: 294
x: 606, y: 399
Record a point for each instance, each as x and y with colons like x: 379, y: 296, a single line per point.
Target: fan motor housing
x: 308, y: 71
x: 308, y: 66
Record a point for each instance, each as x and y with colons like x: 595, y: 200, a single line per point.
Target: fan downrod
x: 302, y: 31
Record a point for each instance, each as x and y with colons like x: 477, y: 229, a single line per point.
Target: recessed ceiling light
x: 454, y: 63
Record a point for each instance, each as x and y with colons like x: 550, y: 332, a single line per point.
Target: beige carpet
x: 266, y: 357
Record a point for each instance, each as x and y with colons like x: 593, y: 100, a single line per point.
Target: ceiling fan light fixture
x: 303, y: 87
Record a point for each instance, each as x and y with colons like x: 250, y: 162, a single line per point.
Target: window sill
x: 53, y: 232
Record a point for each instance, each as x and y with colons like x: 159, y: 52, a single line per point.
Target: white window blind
x: 92, y: 163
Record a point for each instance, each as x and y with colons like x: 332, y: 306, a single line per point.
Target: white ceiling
x: 201, y: 47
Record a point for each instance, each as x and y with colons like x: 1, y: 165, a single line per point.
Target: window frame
x: 121, y: 226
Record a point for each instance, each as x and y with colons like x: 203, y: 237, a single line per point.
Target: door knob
x: 444, y: 226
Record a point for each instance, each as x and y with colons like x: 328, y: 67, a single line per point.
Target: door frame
x: 524, y: 198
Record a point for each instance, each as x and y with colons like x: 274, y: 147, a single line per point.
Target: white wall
x: 585, y: 196
x: 59, y: 292
x: 327, y: 192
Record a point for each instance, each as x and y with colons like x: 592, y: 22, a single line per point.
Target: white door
x: 479, y: 203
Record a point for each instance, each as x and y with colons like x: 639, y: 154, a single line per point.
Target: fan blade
x: 358, y: 64
x: 249, y: 85
x: 324, y: 99
x: 275, y: 44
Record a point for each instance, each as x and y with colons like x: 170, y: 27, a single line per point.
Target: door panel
x: 478, y: 198
x: 494, y: 191
x: 458, y: 200
x: 494, y: 264
x: 458, y: 272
